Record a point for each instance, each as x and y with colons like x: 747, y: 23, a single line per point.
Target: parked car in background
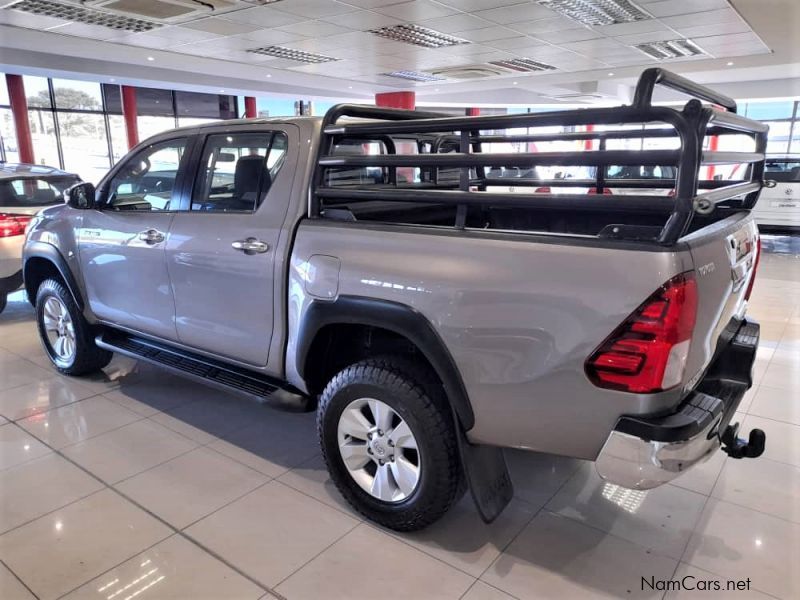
x: 24, y: 191
x: 779, y: 207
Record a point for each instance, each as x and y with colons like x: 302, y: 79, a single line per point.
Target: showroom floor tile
x: 139, y: 482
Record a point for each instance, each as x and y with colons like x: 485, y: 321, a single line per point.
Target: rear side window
x: 34, y: 191
x: 782, y: 170
x: 238, y: 170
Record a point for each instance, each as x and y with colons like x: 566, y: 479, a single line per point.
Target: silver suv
x: 370, y: 264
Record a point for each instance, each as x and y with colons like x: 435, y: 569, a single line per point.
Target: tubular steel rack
x: 690, y: 125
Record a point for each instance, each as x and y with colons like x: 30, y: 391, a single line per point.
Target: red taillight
x: 542, y: 190
x: 755, y: 270
x: 606, y: 191
x: 648, y: 352
x: 11, y: 225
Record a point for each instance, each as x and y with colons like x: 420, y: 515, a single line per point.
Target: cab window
x: 147, y: 180
x: 782, y: 170
x: 238, y: 170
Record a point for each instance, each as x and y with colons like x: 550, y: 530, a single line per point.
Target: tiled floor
x: 140, y: 484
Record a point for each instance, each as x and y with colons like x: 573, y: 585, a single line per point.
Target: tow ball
x: 736, y: 447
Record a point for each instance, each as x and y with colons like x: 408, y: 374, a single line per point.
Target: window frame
x: 178, y: 199
x: 193, y: 182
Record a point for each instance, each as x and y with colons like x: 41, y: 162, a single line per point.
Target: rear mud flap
x: 487, y: 476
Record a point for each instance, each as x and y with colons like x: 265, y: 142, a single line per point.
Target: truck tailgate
x: 724, y: 256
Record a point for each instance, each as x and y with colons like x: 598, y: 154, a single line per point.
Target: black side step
x: 198, y: 367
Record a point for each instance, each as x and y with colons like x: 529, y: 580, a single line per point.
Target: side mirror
x: 80, y: 195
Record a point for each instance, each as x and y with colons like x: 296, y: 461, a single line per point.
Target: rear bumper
x: 645, y: 452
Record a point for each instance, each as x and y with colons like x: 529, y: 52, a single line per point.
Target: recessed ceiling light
x: 112, y: 80
x: 150, y: 58
x: 598, y: 12
x: 419, y: 36
x: 222, y: 91
x: 291, y: 54
x: 436, y: 90
x: 730, y: 63
x: 269, y: 74
x: 523, y: 65
x: 670, y: 49
x: 349, y: 87
x: 414, y: 76
x: 610, y: 74
x: 516, y: 82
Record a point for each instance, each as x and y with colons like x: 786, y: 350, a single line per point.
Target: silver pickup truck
x: 374, y: 264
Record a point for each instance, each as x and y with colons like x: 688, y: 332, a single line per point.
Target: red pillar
x: 130, y: 114
x: 250, y: 110
x: 407, y: 100
x: 19, y: 110
x: 473, y: 112
x: 588, y: 144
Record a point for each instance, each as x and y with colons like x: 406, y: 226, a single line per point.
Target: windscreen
x: 782, y: 170
x: 27, y: 192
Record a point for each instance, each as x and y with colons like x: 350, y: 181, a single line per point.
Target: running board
x: 206, y: 370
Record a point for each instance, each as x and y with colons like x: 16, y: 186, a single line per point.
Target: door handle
x: 250, y: 246
x: 151, y: 236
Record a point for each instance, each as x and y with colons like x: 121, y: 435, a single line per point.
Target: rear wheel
x: 67, y: 337
x: 389, y: 442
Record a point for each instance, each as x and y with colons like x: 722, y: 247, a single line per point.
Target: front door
x: 221, y: 252
x: 122, y: 244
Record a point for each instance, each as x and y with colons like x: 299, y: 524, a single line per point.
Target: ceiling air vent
x: 291, y: 54
x: 419, y: 36
x: 414, y: 76
x: 598, y: 12
x: 523, y: 65
x: 83, y: 15
x: 471, y: 72
x: 670, y: 49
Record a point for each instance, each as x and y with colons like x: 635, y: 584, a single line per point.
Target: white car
x: 24, y: 191
x: 779, y: 206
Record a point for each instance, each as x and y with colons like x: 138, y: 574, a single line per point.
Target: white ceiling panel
x: 363, y: 20
x: 372, y: 3
x: 264, y: 16
x: 145, y: 40
x: 709, y: 30
x: 516, y: 13
x: 643, y: 38
x: 416, y: 10
x: 185, y: 35
x: 266, y: 37
x: 221, y: 26
x: 476, y: 5
x: 539, y: 25
x: 668, y: 8
x: 452, y: 23
x: 711, y: 17
x: 313, y: 29
x: 632, y: 28
x: 634, y: 58
x: 95, y: 32
x: 523, y: 41
x: 601, y: 45
x: 314, y: 9
x: 29, y: 20
x: 487, y: 34
x: 716, y: 41
x: 568, y: 35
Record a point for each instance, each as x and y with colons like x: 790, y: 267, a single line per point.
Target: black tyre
x: 3, y: 302
x: 67, y: 337
x: 389, y: 441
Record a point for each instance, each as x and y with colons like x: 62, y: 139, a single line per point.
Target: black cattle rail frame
x: 691, y: 125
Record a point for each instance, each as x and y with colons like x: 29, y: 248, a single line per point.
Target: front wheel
x: 67, y: 337
x: 389, y: 442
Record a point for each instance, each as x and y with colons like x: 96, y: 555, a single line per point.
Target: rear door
x: 221, y: 253
x: 780, y: 206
